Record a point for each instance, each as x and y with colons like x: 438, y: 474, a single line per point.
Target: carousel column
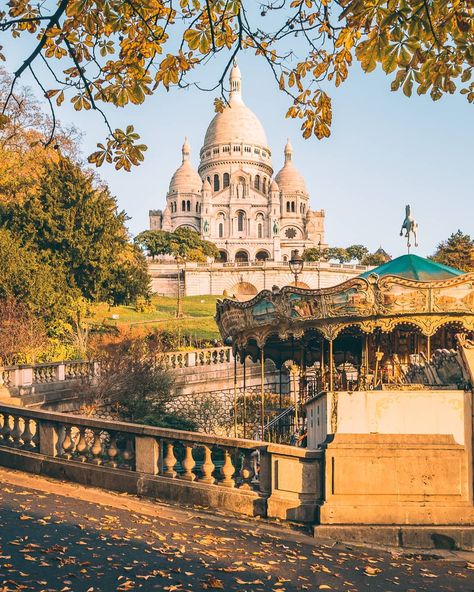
x: 294, y: 372
x: 280, y: 387
x: 322, y: 368
x: 301, y: 386
x: 428, y: 347
x: 235, y: 394
x: 262, y: 392
x: 245, y: 396
x: 331, y: 367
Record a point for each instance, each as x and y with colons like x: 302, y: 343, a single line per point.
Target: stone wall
x: 218, y: 278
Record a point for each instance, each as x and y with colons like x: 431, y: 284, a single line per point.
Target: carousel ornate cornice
x: 370, y: 305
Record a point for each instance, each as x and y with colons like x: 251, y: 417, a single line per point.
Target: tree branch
x: 54, y: 20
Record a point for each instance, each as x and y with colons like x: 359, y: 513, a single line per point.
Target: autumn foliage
x: 102, y: 52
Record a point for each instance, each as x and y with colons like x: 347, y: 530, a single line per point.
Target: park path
x: 57, y: 536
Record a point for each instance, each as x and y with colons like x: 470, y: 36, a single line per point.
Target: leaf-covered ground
x: 53, y: 542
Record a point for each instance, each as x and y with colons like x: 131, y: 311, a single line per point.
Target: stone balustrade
x: 200, y: 357
x: 245, y: 476
x: 216, y: 265
x: 27, y: 375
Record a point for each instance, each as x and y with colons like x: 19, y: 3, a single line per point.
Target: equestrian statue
x: 410, y: 225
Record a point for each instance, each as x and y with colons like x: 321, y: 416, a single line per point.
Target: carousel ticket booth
x: 379, y: 384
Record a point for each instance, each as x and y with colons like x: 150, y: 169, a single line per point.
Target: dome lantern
x: 235, y: 80
x: 186, y: 150
x: 288, y: 151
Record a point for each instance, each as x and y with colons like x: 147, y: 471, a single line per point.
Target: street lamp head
x: 296, y: 262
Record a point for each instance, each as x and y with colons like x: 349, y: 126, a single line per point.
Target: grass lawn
x: 198, y: 318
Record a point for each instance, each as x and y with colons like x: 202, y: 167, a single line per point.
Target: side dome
x: 186, y: 179
x: 236, y: 123
x: 274, y: 186
x: 289, y: 179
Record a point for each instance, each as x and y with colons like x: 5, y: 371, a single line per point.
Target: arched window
x: 264, y: 184
x: 216, y: 183
x: 188, y: 206
x: 293, y: 206
x: 287, y: 206
x: 259, y: 230
x: 257, y: 182
x: 240, y: 221
x: 221, y: 230
x: 226, y: 180
x: 183, y: 205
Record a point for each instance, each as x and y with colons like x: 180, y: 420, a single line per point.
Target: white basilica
x: 232, y: 200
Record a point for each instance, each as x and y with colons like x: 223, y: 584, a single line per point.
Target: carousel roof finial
x: 410, y: 225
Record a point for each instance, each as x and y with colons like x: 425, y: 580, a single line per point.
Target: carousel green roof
x: 413, y: 267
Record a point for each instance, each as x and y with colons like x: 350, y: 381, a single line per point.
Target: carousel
x: 362, y: 334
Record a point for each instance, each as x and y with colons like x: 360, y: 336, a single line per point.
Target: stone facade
x: 233, y: 200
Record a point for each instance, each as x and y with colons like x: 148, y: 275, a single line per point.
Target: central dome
x: 237, y: 123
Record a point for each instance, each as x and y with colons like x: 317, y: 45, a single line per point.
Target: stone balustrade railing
x: 259, y: 478
x: 27, y: 375
x: 216, y: 265
x: 200, y: 357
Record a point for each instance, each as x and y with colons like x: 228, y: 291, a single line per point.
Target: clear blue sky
x: 385, y: 151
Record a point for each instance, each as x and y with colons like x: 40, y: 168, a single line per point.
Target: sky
x: 385, y: 151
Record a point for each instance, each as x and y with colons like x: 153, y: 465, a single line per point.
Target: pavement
x: 57, y: 536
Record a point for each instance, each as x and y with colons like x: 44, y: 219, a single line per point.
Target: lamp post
x: 319, y: 264
x: 179, y: 311
x: 296, y: 264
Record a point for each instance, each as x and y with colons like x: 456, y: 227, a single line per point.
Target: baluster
x: 68, y: 443
x: 169, y: 461
x: 96, y: 448
x: 27, y: 435
x: 207, y: 467
x: 16, y: 432
x: 128, y: 455
x: 5, y: 432
x: 188, y: 463
x: 81, y: 446
x: 112, y: 451
x: 246, y: 470
x: 227, y: 471
x: 35, y: 441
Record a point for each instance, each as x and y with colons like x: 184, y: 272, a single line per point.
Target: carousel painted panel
x: 355, y: 301
x: 458, y: 298
x: 398, y: 297
x: 305, y: 306
x: 232, y: 321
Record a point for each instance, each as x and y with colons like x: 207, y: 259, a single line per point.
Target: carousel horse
x: 410, y: 225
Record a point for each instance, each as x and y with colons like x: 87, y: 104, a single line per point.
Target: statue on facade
x: 275, y: 227
x: 410, y: 225
x: 205, y: 227
x: 240, y: 188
